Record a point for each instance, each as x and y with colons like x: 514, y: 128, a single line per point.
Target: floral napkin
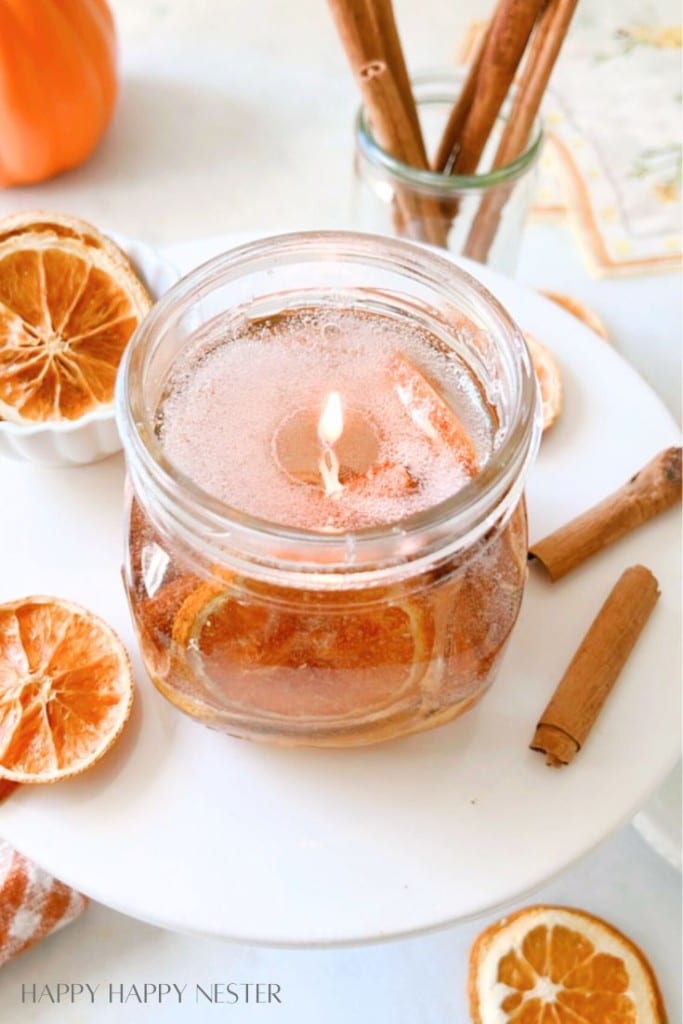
x: 612, y: 165
x: 32, y: 903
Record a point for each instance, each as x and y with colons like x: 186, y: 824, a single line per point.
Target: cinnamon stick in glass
x: 507, y: 37
x: 367, y: 29
x: 546, y: 43
x: 368, y: 33
x: 450, y: 140
x: 653, y: 489
x: 420, y: 216
x: 387, y: 31
x: 581, y: 693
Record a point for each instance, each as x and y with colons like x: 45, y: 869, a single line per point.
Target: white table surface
x: 414, y: 981
x: 237, y: 119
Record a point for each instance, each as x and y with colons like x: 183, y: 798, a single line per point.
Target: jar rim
x: 474, y: 506
x: 434, y: 181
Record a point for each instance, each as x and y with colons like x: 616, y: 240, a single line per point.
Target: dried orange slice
x: 549, y: 380
x: 61, y: 225
x: 302, y: 656
x: 556, y: 965
x: 429, y: 411
x: 65, y: 689
x: 581, y: 312
x: 154, y: 617
x: 69, y: 302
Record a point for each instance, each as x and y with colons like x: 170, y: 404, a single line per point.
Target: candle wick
x: 330, y: 472
x: 330, y: 428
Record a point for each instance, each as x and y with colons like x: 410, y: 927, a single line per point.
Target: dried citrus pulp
x: 69, y: 302
x: 65, y: 689
x: 549, y: 380
x: 284, y: 655
x: 555, y: 965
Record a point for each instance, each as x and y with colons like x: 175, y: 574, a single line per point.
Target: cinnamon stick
x: 421, y: 216
x: 367, y: 29
x: 392, y: 51
x: 508, y: 35
x: 358, y: 30
x: 450, y: 140
x: 581, y: 693
x: 546, y: 43
x: 653, y: 489
x: 368, y: 33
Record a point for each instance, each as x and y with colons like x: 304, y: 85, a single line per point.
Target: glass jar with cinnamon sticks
x: 483, y: 148
x: 391, y: 196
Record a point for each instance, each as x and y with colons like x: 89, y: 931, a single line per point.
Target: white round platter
x: 659, y: 822
x: 197, y: 831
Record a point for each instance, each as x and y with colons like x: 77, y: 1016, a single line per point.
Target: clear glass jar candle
x: 327, y: 437
x: 393, y: 198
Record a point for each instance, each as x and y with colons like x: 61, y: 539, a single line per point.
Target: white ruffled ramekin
x: 93, y: 436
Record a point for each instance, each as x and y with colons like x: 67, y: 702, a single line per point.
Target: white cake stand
x: 199, y: 832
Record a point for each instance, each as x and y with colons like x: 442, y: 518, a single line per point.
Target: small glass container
x: 385, y: 188
x: 309, y: 637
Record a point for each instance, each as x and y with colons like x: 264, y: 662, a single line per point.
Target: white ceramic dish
x: 659, y: 822
x: 195, y: 831
x: 93, y: 436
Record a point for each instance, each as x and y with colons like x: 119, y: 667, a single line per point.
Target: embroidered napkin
x: 612, y: 164
x: 32, y: 903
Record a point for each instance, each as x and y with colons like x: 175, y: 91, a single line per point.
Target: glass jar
x: 307, y: 637
x: 390, y: 197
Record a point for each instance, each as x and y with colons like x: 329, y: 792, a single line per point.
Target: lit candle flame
x: 331, y: 422
x: 330, y: 429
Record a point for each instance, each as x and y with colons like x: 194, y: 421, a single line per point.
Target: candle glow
x: 330, y: 429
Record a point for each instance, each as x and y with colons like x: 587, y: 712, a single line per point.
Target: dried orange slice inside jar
x: 326, y: 537
x: 306, y: 659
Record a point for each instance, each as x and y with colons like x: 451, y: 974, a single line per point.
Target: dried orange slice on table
x: 581, y: 312
x: 557, y: 965
x: 549, y: 380
x: 250, y: 646
x: 69, y: 302
x: 65, y: 689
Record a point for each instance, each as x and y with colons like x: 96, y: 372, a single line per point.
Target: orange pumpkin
x: 57, y: 85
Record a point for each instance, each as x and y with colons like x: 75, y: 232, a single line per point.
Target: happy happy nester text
x: 152, y: 992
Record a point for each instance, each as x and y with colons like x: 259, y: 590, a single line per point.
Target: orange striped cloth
x: 33, y: 904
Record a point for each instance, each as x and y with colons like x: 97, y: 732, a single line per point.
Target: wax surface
x: 230, y: 399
